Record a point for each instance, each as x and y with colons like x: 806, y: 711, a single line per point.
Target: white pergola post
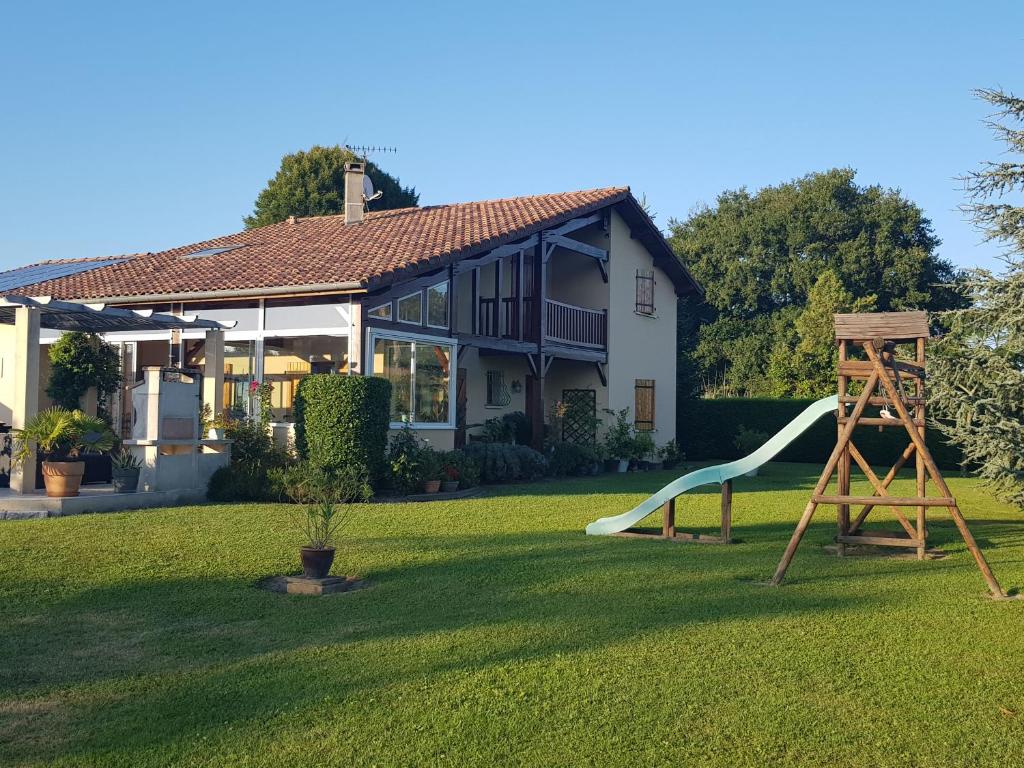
x: 213, y: 373
x: 26, y: 389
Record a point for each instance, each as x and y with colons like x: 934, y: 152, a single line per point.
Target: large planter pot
x: 431, y: 486
x: 623, y: 465
x: 63, y: 478
x: 125, y: 480
x: 316, y: 563
x: 450, y: 486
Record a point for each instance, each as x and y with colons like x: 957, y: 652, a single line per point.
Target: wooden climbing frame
x: 668, y: 524
x: 879, y: 335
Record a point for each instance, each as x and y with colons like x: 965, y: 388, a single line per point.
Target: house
x: 471, y: 310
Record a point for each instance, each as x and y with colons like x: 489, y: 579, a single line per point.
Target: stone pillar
x: 26, y: 389
x: 213, y: 373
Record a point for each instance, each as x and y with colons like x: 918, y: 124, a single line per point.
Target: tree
x: 312, y: 183
x: 804, y: 363
x: 79, y: 361
x: 758, y: 256
x: 976, y: 376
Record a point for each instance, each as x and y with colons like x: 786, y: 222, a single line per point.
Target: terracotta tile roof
x: 323, y: 251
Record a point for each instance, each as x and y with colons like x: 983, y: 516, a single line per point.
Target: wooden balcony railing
x: 566, y: 323
x: 569, y: 324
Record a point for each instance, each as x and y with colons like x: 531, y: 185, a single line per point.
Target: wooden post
x: 843, y: 481
x: 727, y: 512
x: 922, y: 480
x: 668, y: 519
x: 474, y: 300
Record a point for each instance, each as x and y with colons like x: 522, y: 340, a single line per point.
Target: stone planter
x: 622, y: 465
x: 63, y: 478
x: 316, y: 563
x: 450, y: 486
x: 125, y: 480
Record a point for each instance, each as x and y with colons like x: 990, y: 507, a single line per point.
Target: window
x: 419, y: 372
x: 437, y: 305
x: 383, y: 312
x: 497, y: 392
x: 643, y: 405
x: 410, y: 308
x: 288, y: 360
x: 239, y: 373
x: 645, y: 291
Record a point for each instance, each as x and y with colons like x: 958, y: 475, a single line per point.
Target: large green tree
x: 312, y: 183
x: 758, y: 257
x: 976, y: 376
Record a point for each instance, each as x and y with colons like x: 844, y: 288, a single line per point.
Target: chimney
x: 353, y: 193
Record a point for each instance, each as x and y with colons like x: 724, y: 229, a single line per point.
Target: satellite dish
x: 368, y: 193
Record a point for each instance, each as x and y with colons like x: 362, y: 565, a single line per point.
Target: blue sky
x: 140, y: 126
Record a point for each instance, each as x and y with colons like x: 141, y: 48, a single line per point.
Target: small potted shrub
x: 210, y: 426
x: 643, y: 449
x: 319, y: 490
x: 124, y: 474
x: 451, y: 479
x: 671, y: 456
x: 62, y: 436
x: 429, y: 467
x: 618, y: 441
x: 749, y: 440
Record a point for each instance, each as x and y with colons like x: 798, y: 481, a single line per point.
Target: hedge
x: 342, y: 420
x: 707, y: 429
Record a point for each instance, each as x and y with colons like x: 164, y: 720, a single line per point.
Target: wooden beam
x: 880, y: 490
x: 886, y: 481
x: 568, y: 243
x: 474, y: 300
x: 668, y: 519
x: 573, y: 224
x: 602, y: 373
x: 727, y: 511
x: 497, y: 253
x: 880, y: 541
x: 890, y: 501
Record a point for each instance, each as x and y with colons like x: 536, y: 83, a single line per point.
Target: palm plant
x: 62, y: 434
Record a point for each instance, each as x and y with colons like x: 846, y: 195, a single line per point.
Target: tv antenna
x: 363, y: 151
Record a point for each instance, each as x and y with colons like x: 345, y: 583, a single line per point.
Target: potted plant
x: 618, y: 441
x: 125, y: 471
x: 429, y: 470
x: 319, y: 490
x: 451, y: 479
x: 212, y: 427
x: 670, y: 455
x: 747, y: 441
x: 62, y: 436
x: 643, y: 448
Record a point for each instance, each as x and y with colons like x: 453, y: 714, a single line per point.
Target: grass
x: 497, y: 634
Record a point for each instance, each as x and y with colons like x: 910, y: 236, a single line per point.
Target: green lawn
x: 498, y: 634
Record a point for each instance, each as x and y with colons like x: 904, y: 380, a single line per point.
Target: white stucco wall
x: 640, y: 347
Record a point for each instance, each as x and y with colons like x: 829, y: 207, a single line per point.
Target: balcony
x: 567, y: 324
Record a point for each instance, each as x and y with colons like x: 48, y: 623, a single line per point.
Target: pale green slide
x: 718, y: 473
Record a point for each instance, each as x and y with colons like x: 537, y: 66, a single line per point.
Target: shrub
x: 466, y: 469
x: 513, y: 427
x: 671, y: 455
x: 254, y: 456
x: 643, y: 447
x: 342, y: 420
x: 749, y: 440
x: 618, y: 440
x: 500, y: 462
x: 308, y: 483
x: 79, y: 361
x: 570, y: 459
x: 411, y: 462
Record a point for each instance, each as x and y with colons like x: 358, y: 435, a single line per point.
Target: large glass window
x: 239, y: 372
x: 287, y: 360
x: 410, y: 309
x: 419, y: 373
x: 437, y: 305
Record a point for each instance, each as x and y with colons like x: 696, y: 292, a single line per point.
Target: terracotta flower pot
x: 63, y: 478
x: 431, y: 486
x: 316, y: 563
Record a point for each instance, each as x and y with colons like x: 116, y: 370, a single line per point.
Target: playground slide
x: 718, y: 473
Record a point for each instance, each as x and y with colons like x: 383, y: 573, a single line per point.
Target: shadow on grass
x: 149, y: 663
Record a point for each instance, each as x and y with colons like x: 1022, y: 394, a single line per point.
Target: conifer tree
x: 976, y: 376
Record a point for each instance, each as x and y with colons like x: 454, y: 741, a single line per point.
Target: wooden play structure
x: 868, y: 360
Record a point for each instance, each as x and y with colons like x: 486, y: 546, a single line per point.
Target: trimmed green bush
x: 342, y: 420
x: 501, y: 463
x: 708, y: 430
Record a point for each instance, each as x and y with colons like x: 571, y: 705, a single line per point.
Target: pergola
x: 29, y: 314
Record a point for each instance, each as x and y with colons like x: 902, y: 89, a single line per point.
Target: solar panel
x: 209, y: 252
x: 39, y: 273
